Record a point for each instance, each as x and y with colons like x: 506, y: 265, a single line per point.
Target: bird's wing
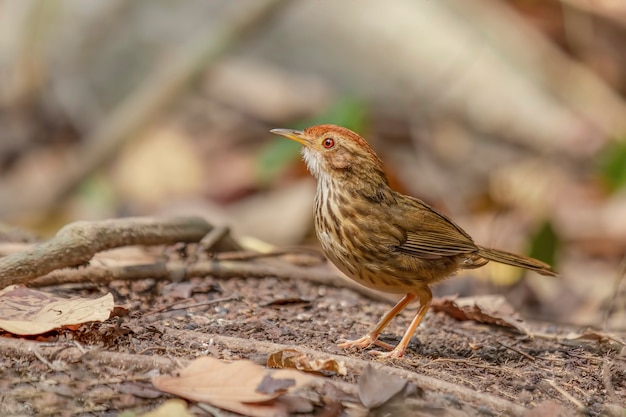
x: 433, y: 235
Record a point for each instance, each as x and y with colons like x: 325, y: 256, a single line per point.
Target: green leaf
x: 274, y: 158
x: 97, y: 192
x: 612, y: 165
x: 545, y: 243
x: 277, y: 155
x: 347, y: 112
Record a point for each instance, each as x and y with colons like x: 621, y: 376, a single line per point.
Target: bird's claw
x: 360, y: 343
x: 364, y: 342
x: 393, y: 354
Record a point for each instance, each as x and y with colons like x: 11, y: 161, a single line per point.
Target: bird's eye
x: 328, y: 143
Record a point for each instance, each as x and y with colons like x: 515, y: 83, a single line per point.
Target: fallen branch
x: 179, y: 271
x: 76, y: 243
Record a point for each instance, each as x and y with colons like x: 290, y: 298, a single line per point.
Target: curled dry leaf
x: 29, y: 312
x: 489, y: 309
x: 241, y: 386
x: 293, y: 359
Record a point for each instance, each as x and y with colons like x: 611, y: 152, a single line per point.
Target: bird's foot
x: 364, y: 342
x: 393, y: 354
x: 360, y: 343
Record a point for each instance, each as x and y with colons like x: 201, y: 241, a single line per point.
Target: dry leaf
x: 232, y: 386
x: 376, y: 387
x: 595, y: 335
x: 29, y: 312
x: 271, y: 386
x: 490, y: 309
x: 170, y: 408
x: 293, y: 359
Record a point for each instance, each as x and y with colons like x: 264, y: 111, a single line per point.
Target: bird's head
x: 333, y: 152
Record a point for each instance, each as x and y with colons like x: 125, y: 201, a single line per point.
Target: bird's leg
x: 372, y: 337
x: 425, y: 296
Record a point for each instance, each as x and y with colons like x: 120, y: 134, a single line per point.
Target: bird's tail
x: 516, y: 260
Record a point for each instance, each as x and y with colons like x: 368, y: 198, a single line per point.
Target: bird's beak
x: 296, y: 135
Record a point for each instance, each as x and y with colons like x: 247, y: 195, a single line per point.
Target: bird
x: 381, y: 238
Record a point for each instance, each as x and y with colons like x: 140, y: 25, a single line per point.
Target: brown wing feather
x: 433, y: 235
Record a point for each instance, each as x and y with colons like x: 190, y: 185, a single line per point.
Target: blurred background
x: 507, y: 115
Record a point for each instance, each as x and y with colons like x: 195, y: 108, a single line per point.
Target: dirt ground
x: 461, y: 368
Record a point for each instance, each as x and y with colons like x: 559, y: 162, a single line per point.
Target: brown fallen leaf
x: 376, y: 387
x: 269, y: 385
x: 293, y: 359
x: 489, y: 309
x: 234, y: 386
x: 29, y: 312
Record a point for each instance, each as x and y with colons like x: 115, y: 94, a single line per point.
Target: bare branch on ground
x: 76, y: 243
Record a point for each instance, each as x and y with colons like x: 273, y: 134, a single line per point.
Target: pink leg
x: 425, y: 297
x: 372, y: 337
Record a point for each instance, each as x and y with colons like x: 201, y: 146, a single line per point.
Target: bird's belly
x: 384, y: 274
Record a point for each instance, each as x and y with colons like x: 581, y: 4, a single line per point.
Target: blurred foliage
x: 277, y: 155
x: 612, y: 165
x: 98, y: 194
x: 545, y: 244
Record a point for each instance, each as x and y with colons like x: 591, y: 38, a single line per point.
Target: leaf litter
x: 28, y: 312
x: 488, y: 309
x: 293, y: 359
x: 241, y: 386
x: 376, y: 387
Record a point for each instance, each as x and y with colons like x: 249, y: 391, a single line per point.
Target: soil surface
x: 462, y: 368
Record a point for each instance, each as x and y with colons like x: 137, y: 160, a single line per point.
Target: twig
x: 524, y: 354
x: 564, y: 393
x: 212, y: 238
x: 151, y: 349
x: 45, y: 361
x: 76, y: 243
x: 79, y: 346
x: 201, y: 304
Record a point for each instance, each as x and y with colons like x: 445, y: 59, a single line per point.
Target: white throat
x: 313, y: 161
